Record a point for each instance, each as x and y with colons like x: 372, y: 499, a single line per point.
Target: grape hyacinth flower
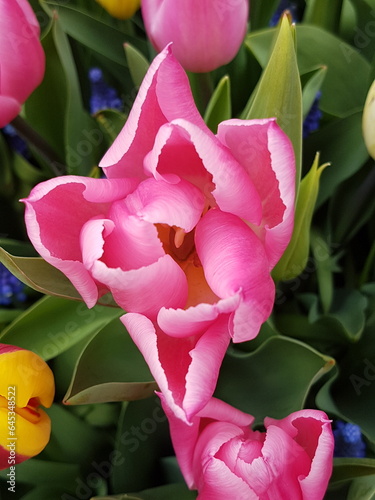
x: 103, y: 96
x: 312, y: 120
x: 284, y: 5
x: 15, y: 141
x: 11, y: 288
x: 348, y: 440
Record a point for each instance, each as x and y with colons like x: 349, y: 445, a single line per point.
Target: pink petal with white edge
x: 180, y: 365
x: 178, y: 204
x: 163, y: 96
x: 235, y: 262
x: 266, y: 153
x: 233, y: 190
x: 195, y: 320
x: 184, y: 437
x: 145, y: 290
x: 56, y: 211
x: 312, y: 430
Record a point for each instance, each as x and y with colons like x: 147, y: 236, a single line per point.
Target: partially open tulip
x: 187, y: 225
x: 26, y: 383
x: 22, y: 60
x: 222, y: 457
x: 121, y: 9
x: 205, y: 33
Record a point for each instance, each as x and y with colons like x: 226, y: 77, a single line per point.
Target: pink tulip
x: 22, y: 59
x: 187, y: 225
x: 222, y: 457
x: 206, y: 33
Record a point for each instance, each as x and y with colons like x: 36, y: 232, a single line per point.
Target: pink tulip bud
x: 206, y: 34
x: 26, y: 383
x: 22, y: 59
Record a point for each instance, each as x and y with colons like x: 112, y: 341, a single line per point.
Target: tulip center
x: 28, y: 412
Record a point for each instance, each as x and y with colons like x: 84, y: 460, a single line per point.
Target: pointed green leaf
x: 311, y: 87
x: 120, y: 373
x: 52, y: 325
x: 138, y: 64
x: 39, y: 275
x: 219, y: 107
x: 278, y: 93
x: 294, y: 260
x: 362, y: 488
x: 346, y: 84
x: 111, y: 122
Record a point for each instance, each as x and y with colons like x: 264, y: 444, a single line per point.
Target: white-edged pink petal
x: 196, y: 319
x: 147, y: 289
x: 235, y: 262
x: 233, y: 190
x: 179, y: 204
x: 267, y: 154
x: 163, y: 96
x: 56, y: 211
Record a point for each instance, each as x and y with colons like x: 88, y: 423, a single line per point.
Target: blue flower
x: 11, y: 288
x: 285, y: 5
x: 312, y: 120
x: 15, y: 141
x: 348, y: 440
x: 102, y: 95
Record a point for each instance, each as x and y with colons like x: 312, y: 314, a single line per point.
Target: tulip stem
x: 202, y: 88
x: 31, y: 136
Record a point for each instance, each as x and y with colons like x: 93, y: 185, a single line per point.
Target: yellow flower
x: 122, y: 9
x: 368, y: 121
x: 26, y: 382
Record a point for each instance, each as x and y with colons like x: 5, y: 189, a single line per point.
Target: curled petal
x: 163, y: 96
x: 180, y: 365
x: 235, y: 262
x: 195, y: 320
x: 266, y: 153
x: 135, y: 290
x: 179, y: 204
x: 232, y: 189
x: 56, y: 211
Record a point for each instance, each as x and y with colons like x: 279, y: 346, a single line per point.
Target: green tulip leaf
x: 345, y: 87
x: 318, y: 14
x: 52, y: 325
x: 219, y: 107
x: 142, y: 438
x: 39, y: 275
x: 341, y: 144
x: 84, y: 27
x: 294, y: 259
x: 111, y: 122
x: 138, y: 64
x: 353, y: 390
x: 346, y: 469
x: 312, y: 83
x: 272, y: 381
x: 110, y: 368
x: 339, y: 328
x: 72, y: 440
x: 362, y: 488
x: 281, y: 96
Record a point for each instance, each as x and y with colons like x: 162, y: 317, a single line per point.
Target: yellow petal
x: 122, y: 9
x: 30, y: 376
x: 368, y: 121
x: 29, y: 438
